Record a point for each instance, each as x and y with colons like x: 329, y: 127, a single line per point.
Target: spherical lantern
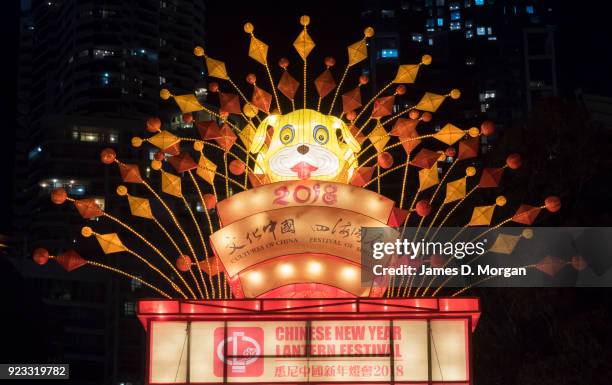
x: 59, y: 196
x: 40, y: 256
x: 385, y: 160
x: 426, y: 59
x: 455, y: 94
x: 514, y: 161
x: 213, y: 87
x: 210, y: 201
x: 330, y: 61
x: 423, y: 208
x: 153, y: 124
x: 237, y: 167
x: 414, y: 114
x: 198, y: 51
x: 400, y: 89
x: 187, y: 118
x: 363, y: 80
x: 251, y: 79
x: 283, y: 63
x: 183, y: 263
x: 351, y: 115
x: 108, y: 156
x: 450, y: 152
x: 487, y: 128
x: 553, y: 204
x: 426, y: 117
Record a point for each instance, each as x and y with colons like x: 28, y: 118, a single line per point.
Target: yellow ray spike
x: 505, y: 243
x: 216, y: 68
x: 140, y: 207
x: 188, y: 103
x: 428, y: 177
x: 163, y: 140
x: 406, y: 73
x: 171, y: 184
x: 430, y: 102
x: 379, y: 137
x: 304, y: 44
x: 258, y: 50
x: 482, y: 215
x: 449, y: 134
x: 206, y: 169
x: 455, y: 190
x: 110, y: 243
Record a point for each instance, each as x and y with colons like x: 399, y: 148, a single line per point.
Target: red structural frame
x: 467, y: 308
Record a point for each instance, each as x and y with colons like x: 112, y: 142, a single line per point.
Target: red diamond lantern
x: 425, y: 158
x: 362, y: 175
x: 325, y: 83
x: 182, y: 162
x: 383, y: 106
x: 526, y: 214
x: 88, y: 208
x: 209, y: 130
x: 70, y: 260
x: 550, y: 265
x: 130, y: 173
x: 230, y: 103
x: 261, y: 99
x: 490, y: 177
x: 288, y: 85
x: 351, y: 100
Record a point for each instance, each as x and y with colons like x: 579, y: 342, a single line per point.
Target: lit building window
x: 105, y: 79
x: 530, y: 9
x: 480, y: 31
x: 135, y: 284
x: 469, y: 34
x: 430, y: 41
x: 113, y: 138
x: 488, y: 94
x: 492, y: 38
x: 470, y: 61
x: 440, y: 22
x: 455, y: 15
x: 467, y: 3
x: 478, y: 2
x: 417, y: 37
x: 468, y: 24
x: 429, y: 23
x: 388, y: 53
x: 199, y: 207
x: 129, y: 308
x: 489, y: 31
x: 455, y: 25
x: 102, y: 53
x: 34, y: 153
x: 162, y: 80
x: 387, y: 13
x: 454, y: 5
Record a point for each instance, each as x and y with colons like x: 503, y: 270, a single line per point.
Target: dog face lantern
x: 305, y: 144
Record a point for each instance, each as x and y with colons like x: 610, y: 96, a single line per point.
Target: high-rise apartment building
x: 89, y: 75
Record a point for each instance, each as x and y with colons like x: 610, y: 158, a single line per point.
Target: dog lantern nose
x: 303, y: 149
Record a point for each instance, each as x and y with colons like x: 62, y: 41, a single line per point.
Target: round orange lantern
x: 237, y: 167
x: 58, y: 196
x: 552, y: 203
x: 423, y: 208
x: 40, y: 256
x: 153, y: 124
x: 210, y: 201
x: 514, y: 161
x: 108, y: 155
x: 183, y: 263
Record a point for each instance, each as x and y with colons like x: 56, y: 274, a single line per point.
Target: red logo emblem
x: 240, y: 352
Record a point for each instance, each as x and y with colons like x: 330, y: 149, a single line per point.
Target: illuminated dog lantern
x: 305, y: 144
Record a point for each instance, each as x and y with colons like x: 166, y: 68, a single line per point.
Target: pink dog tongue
x: 303, y: 169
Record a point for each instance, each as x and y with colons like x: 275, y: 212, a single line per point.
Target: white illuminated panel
x: 449, y: 350
x: 336, y: 351
x: 168, y: 352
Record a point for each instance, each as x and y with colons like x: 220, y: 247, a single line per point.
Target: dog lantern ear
x: 348, y: 136
x: 260, y: 134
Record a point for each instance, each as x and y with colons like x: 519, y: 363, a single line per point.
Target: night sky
x: 584, y: 60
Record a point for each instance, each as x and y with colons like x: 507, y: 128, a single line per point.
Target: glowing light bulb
x: 349, y: 273
x: 255, y: 277
x: 286, y: 269
x: 314, y: 267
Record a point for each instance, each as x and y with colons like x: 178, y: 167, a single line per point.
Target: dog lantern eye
x: 286, y: 134
x: 321, y: 135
